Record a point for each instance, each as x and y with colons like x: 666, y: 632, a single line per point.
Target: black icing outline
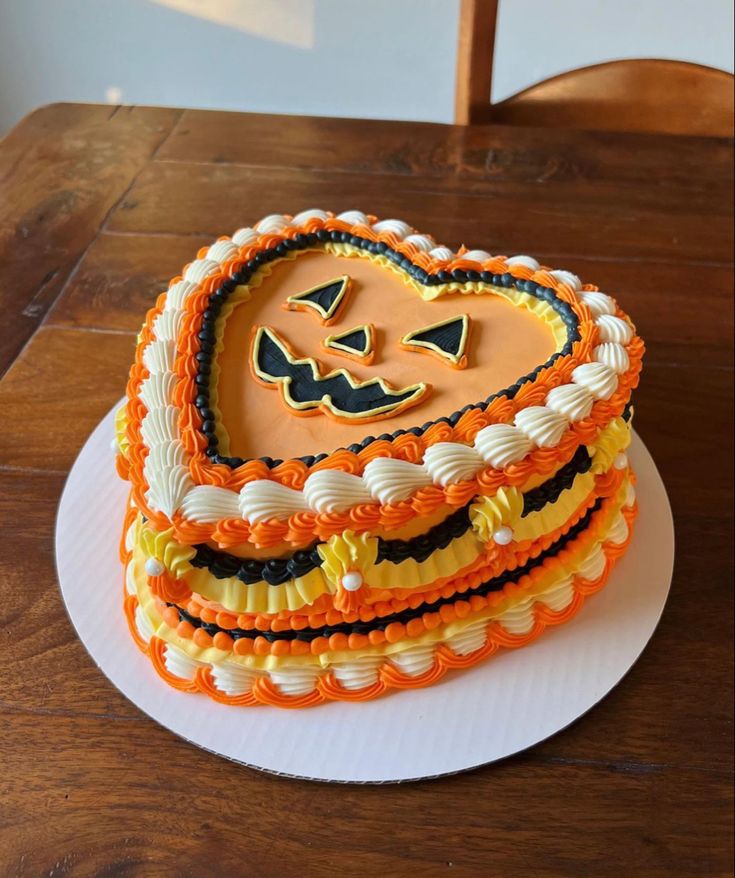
x: 303, y: 302
x: 380, y: 624
x: 412, y: 342
x: 207, y: 333
x: 276, y: 571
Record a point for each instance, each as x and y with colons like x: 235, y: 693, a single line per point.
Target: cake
x: 359, y: 460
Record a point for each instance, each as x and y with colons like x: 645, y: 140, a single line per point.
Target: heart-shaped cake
x: 358, y: 459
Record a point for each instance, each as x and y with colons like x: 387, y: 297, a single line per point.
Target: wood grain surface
x: 98, y: 207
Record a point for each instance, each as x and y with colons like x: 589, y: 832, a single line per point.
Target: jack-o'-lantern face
x: 326, y: 345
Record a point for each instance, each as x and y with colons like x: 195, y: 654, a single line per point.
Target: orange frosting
x: 506, y: 342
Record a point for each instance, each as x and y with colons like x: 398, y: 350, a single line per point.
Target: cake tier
x: 398, y: 648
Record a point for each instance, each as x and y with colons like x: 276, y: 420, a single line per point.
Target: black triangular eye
x: 447, y: 340
x: 325, y: 299
x: 357, y: 343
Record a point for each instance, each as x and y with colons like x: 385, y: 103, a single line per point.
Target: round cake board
x: 469, y: 718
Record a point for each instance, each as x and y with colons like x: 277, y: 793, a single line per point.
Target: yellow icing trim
x: 441, y: 564
x: 161, y: 545
x: 260, y: 597
x: 440, y: 634
x: 553, y: 516
x: 121, y: 426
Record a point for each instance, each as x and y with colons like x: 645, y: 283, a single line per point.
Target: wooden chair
x: 665, y: 97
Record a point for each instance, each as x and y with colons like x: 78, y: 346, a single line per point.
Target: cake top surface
x: 319, y: 369
x: 503, y: 342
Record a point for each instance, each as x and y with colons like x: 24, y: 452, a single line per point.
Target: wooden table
x: 99, y: 206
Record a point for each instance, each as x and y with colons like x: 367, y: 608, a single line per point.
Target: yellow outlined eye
x: 325, y: 299
x: 446, y: 340
x: 357, y: 343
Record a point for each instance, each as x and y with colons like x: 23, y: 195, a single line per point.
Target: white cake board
x: 508, y: 703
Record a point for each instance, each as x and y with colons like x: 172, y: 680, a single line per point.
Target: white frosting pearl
x: 621, y: 460
x: 113, y: 444
x: 153, y: 567
x: 352, y: 581
x: 503, y: 536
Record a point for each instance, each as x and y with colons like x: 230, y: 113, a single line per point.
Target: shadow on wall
x: 283, y: 21
x: 386, y: 59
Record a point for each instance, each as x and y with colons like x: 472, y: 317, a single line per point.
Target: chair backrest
x: 666, y: 97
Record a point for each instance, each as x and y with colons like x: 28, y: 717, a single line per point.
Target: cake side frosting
x: 297, y: 579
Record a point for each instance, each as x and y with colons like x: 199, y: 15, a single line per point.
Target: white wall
x: 369, y: 58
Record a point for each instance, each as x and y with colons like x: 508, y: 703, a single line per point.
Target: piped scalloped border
x: 264, y: 689
x: 170, y: 472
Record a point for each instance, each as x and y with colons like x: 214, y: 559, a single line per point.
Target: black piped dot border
x: 207, y: 333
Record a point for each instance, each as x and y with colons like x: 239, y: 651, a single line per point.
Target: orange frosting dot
x: 358, y: 641
x: 299, y: 647
x: 338, y: 641
x: 171, y: 617
x: 319, y: 645
x: 415, y: 628
x: 394, y: 632
x: 223, y: 641
x: 280, y: 647
x: 243, y: 646
x: 376, y: 637
x: 462, y: 608
x: 447, y: 613
x: 185, y: 629
x: 202, y: 639
x: 261, y: 646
